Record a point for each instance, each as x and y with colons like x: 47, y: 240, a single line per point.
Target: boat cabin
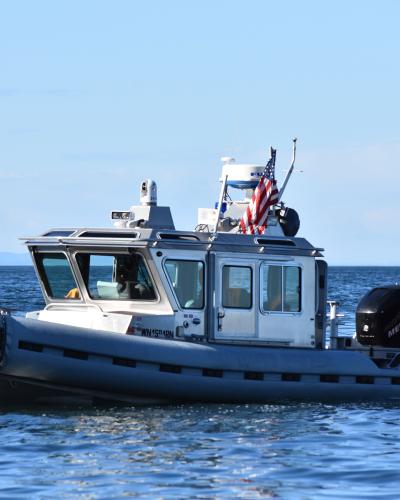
x: 213, y: 284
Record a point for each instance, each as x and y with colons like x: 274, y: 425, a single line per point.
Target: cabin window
x: 281, y: 288
x: 116, y: 276
x: 237, y: 287
x: 57, y: 276
x: 187, y: 279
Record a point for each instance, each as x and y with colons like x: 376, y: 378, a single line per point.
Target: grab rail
x: 333, y: 322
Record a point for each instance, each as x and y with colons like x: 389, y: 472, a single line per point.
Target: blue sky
x: 96, y: 96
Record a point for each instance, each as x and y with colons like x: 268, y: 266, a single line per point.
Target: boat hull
x: 42, y: 359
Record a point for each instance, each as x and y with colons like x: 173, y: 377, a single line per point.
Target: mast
x: 290, y: 171
x: 220, y: 201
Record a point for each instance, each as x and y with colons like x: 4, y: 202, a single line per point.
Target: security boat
x: 234, y: 311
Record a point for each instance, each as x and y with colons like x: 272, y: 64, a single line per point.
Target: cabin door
x: 186, y: 277
x: 235, y: 302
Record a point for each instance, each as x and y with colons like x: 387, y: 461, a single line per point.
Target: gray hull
x: 43, y: 360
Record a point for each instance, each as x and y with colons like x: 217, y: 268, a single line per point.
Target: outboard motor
x: 378, y: 317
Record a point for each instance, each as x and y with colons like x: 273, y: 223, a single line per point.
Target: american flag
x: 266, y: 194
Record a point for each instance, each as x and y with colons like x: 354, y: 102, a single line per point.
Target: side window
x: 116, y: 277
x: 292, y: 289
x: 57, y: 276
x: 237, y: 287
x: 280, y: 288
x: 187, y: 279
x: 272, y: 288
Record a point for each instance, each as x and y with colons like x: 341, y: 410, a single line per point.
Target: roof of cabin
x: 142, y: 237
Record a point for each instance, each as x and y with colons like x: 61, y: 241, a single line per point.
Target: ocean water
x: 299, y: 451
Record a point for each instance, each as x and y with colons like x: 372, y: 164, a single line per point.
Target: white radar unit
x: 240, y: 175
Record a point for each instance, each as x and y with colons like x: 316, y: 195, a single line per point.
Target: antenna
x: 290, y: 171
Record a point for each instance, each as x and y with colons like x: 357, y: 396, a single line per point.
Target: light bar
x: 120, y: 215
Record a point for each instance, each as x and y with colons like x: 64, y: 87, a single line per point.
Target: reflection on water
x: 246, y: 451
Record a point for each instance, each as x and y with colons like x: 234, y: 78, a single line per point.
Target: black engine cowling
x: 378, y: 317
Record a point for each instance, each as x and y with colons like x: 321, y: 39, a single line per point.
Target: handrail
x: 63, y: 305
x: 334, y: 320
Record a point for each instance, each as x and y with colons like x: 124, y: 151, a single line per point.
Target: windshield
x: 57, y: 276
x: 116, y: 276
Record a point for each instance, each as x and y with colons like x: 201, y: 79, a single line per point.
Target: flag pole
x: 290, y: 171
x: 270, y: 209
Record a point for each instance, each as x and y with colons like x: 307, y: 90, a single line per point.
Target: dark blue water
x: 202, y: 451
